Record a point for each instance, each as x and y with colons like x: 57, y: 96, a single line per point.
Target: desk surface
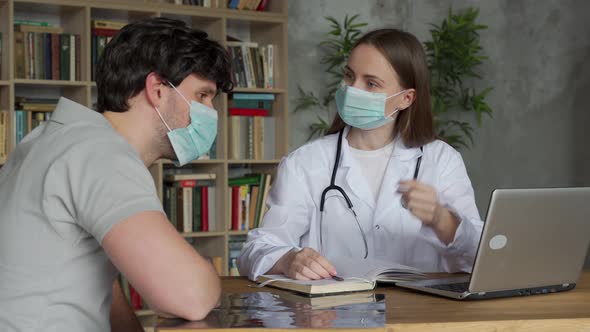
x: 412, y: 311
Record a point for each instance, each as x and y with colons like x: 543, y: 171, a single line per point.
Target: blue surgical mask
x: 362, y: 109
x: 196, y: 139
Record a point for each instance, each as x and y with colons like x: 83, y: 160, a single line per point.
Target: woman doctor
x: 379, y: 185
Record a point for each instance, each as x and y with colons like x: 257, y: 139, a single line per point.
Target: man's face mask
x: 362, y: 109
x: 196, y: 139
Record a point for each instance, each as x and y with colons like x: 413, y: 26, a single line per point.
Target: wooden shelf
x: 58, y: 83
x: 230, y: 233
x: 4, y: 83
x: 250, y: 161
x: 258, y: 90
x: 203, y: 234
x: 195, y: 162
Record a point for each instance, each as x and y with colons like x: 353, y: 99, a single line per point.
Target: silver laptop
x: 534, y: 241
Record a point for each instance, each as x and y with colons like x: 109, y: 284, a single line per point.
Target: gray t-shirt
x: 63, y: 188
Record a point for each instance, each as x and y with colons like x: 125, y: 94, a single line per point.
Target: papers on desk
x: 358, y: 275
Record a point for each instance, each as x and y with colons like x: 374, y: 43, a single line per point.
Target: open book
x: 358, y: 275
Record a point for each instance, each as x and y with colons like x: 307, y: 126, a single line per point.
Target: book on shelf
x: 131, y: 294
x: 253, y: 5
x: 46, y: 52
x: 102, y: 31
x: 235, y: 245
x: 30, y: 113
x: 253, y: 64
x: 248, y: 124
x: 254, y: 96
x: 189, y: 176
x: 31, y: 22
x: 247, y: 197
x: 190, y: 202
x: 356, y: 274
x: 3, y: 136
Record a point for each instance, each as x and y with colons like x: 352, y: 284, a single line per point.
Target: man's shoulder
x: 81, y: 138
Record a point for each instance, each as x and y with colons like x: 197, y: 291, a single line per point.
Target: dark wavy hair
x: 167, y: 47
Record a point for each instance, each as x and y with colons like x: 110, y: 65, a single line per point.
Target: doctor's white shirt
x: 393, y: 233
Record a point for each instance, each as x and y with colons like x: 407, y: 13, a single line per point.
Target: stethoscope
x: 333, y: 186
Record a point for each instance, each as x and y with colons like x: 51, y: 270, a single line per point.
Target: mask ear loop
x: 160, y: 115
x: 397, y: 109
x: 175, y: 89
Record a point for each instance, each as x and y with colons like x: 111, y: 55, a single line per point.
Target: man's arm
x: 168, y: 273
x: 123, y: 318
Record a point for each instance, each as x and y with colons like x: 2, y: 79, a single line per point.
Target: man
x: 77, y: 202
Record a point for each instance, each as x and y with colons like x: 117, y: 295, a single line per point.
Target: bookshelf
x: 75, y: 17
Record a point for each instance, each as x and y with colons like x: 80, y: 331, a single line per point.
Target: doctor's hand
x: 422, y: 201
x: 306, y: 264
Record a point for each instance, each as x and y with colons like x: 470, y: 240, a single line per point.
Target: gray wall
x: 538, y: 66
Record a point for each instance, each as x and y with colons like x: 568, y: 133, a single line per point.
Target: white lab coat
x: 393, y: 233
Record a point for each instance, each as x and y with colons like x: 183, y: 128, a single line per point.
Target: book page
x: 280, y: 277
x: 371, y: 269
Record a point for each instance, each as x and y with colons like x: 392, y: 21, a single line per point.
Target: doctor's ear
x: 155, y: 89
x: 408, y: 98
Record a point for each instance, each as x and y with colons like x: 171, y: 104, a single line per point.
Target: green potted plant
x: 454, y: 55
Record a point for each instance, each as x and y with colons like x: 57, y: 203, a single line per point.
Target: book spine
x: 252, y: 104
x: 264, y: 56
x: 64, y: 57
x: 205, y: 209
x: 104, y: 32
x: 78, y: 67
x: 173, y: 207
x: 105, y: 24
x: 212, y: 215
x: 48, y: 56
x: 135, y: 298
x: 271, y: 50
x: 39, y: 56
x: 252, y: 209
x: 187, y: 200
x: 250, y: 141
x: 197, y: 210
x: 235, y: 201
x: 247, y: 112
x: 3, y: 137
x: 30, y: 55
x: 179, y: 209
x: 258, y: 137
x: 19, y: 55
x: 72, y: 56
x: 253, y: 96
x: 55, y: 56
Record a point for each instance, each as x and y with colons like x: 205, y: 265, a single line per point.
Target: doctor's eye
x: 372, y: 85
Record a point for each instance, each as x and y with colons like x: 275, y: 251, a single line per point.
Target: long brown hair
x: 405, y: 54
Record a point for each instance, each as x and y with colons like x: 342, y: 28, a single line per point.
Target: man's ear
x: 154, y: 89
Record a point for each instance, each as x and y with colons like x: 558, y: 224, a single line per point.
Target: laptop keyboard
x: 457, y: 287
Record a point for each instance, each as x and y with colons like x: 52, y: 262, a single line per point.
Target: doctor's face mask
x: 363, y: 109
